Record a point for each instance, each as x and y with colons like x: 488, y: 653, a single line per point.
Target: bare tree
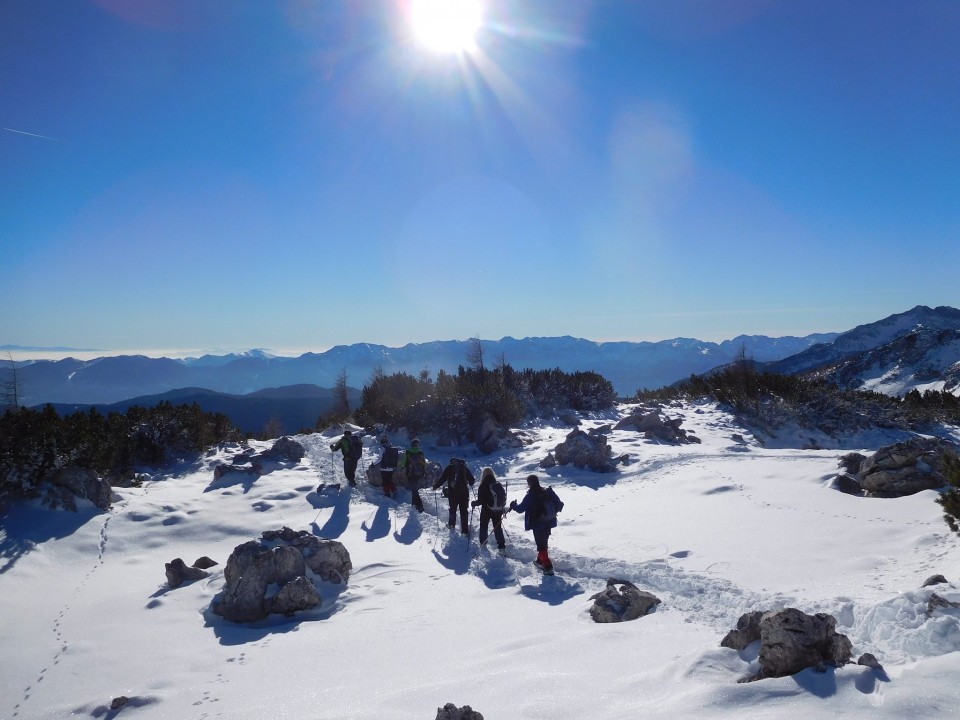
x: 341, y: 402
x: 475, y: 353
x: 10, y: 392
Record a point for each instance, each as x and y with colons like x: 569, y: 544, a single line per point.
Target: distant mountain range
x: 918, y: 348
x: 628, y: 365
x: 289, y: 409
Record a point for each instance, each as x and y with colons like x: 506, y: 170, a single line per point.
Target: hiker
x: 458, y: 480
x: 414, y: 464
x: 352, y: 448
x: 491, y: 499
x: 389, y: 455
x: 540, y: 507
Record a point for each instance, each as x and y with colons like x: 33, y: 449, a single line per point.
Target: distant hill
x: 294, y: 407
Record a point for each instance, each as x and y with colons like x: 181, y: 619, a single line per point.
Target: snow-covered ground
x: 713, y: 529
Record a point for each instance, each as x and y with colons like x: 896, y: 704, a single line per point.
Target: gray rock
x: 934, y: 580
x: 621, y: 601
x: 791, y: 641
x: 82, y: 483
x: 204, y: 562
x: 298, y: 594
x: 452, y: 712
x: 286, y: 449
x: 118, y: 702
x: 939, y: 603
x: 746, y: 632
x: 851, y: 462
x: 548, y: 462
x: 869, y: 660
x: 178, y: 573
x: 907, y: 467
x: 583, y: 450
x: 487, y: 435
x: 847, y: 484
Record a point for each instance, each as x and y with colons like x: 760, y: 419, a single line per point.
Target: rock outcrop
x: 900, y: 469
x: 178, y: 572
x: 621, y: 601
x: 791, y: 641
x: 271, y: 575
x: 68, y: 484
x: 585, y: 450
x: 452, y: 712
x: 655, y: 426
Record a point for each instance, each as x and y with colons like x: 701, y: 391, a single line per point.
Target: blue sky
x: 300, y: 174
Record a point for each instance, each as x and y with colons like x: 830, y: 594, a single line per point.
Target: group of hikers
x: 539, y: 506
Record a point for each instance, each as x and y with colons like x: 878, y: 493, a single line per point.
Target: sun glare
x: 448, y: 26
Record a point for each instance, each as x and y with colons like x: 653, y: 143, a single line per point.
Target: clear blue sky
x: 300, y: 174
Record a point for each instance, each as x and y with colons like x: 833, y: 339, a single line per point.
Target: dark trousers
x: 460, y: 502
x: 486, y: 516
x: 350, y: 469
x: 386, y: 479
x: 541, y: 534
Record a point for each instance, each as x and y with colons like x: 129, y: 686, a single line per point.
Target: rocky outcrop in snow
x: 270, y: 576
x: 585, y: 450
x: 620, y: 601
x: 178, y: 572
x: 790, y: 641
x: 68, y: 484
x: 452, y: 712
x: 656, y: 426
x: 901, y: 469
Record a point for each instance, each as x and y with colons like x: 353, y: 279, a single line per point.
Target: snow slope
x: 714, y: 530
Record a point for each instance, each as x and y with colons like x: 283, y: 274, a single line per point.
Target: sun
x: 446, y: 26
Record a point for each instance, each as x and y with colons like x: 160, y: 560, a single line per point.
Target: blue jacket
x: 531, y: 504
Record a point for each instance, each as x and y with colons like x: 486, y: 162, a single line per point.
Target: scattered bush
x: 456, y: 404
x: 35, y: 443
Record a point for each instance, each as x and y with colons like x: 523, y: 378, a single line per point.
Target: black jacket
x: 458, y: 475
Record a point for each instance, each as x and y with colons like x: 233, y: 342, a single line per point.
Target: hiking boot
x: 450, y: 526
x: 353, y: 483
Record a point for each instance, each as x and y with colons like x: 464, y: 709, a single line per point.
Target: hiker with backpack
x: 492, y: 500
x: 389, y: 456
x: 457, y: 479
x: 352, y: 448
x: 414, y: 464
x: 540, y: 507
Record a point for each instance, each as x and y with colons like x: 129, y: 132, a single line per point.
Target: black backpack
x: 355, y: 447
x: 390, y: 455
x: 499, y: 495
x: 550, y: 505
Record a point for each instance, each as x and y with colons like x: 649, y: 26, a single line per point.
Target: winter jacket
x: 412, y: 451
x: 343, y: 445
x: 530, y: 506
x: 451, y: 474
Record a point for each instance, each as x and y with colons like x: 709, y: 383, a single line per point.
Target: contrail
x: 24, y: 132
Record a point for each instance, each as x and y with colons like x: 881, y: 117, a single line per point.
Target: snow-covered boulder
x: 791, y: 641
x: 279, y: 562
x: 178, y: 573
x: 286, y: 449
x: 654, y: 426
x: 903, y: 468
x: 587, y: 450
x: 620, y: 601
x: 452, y: 712
x: 66, y: 485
